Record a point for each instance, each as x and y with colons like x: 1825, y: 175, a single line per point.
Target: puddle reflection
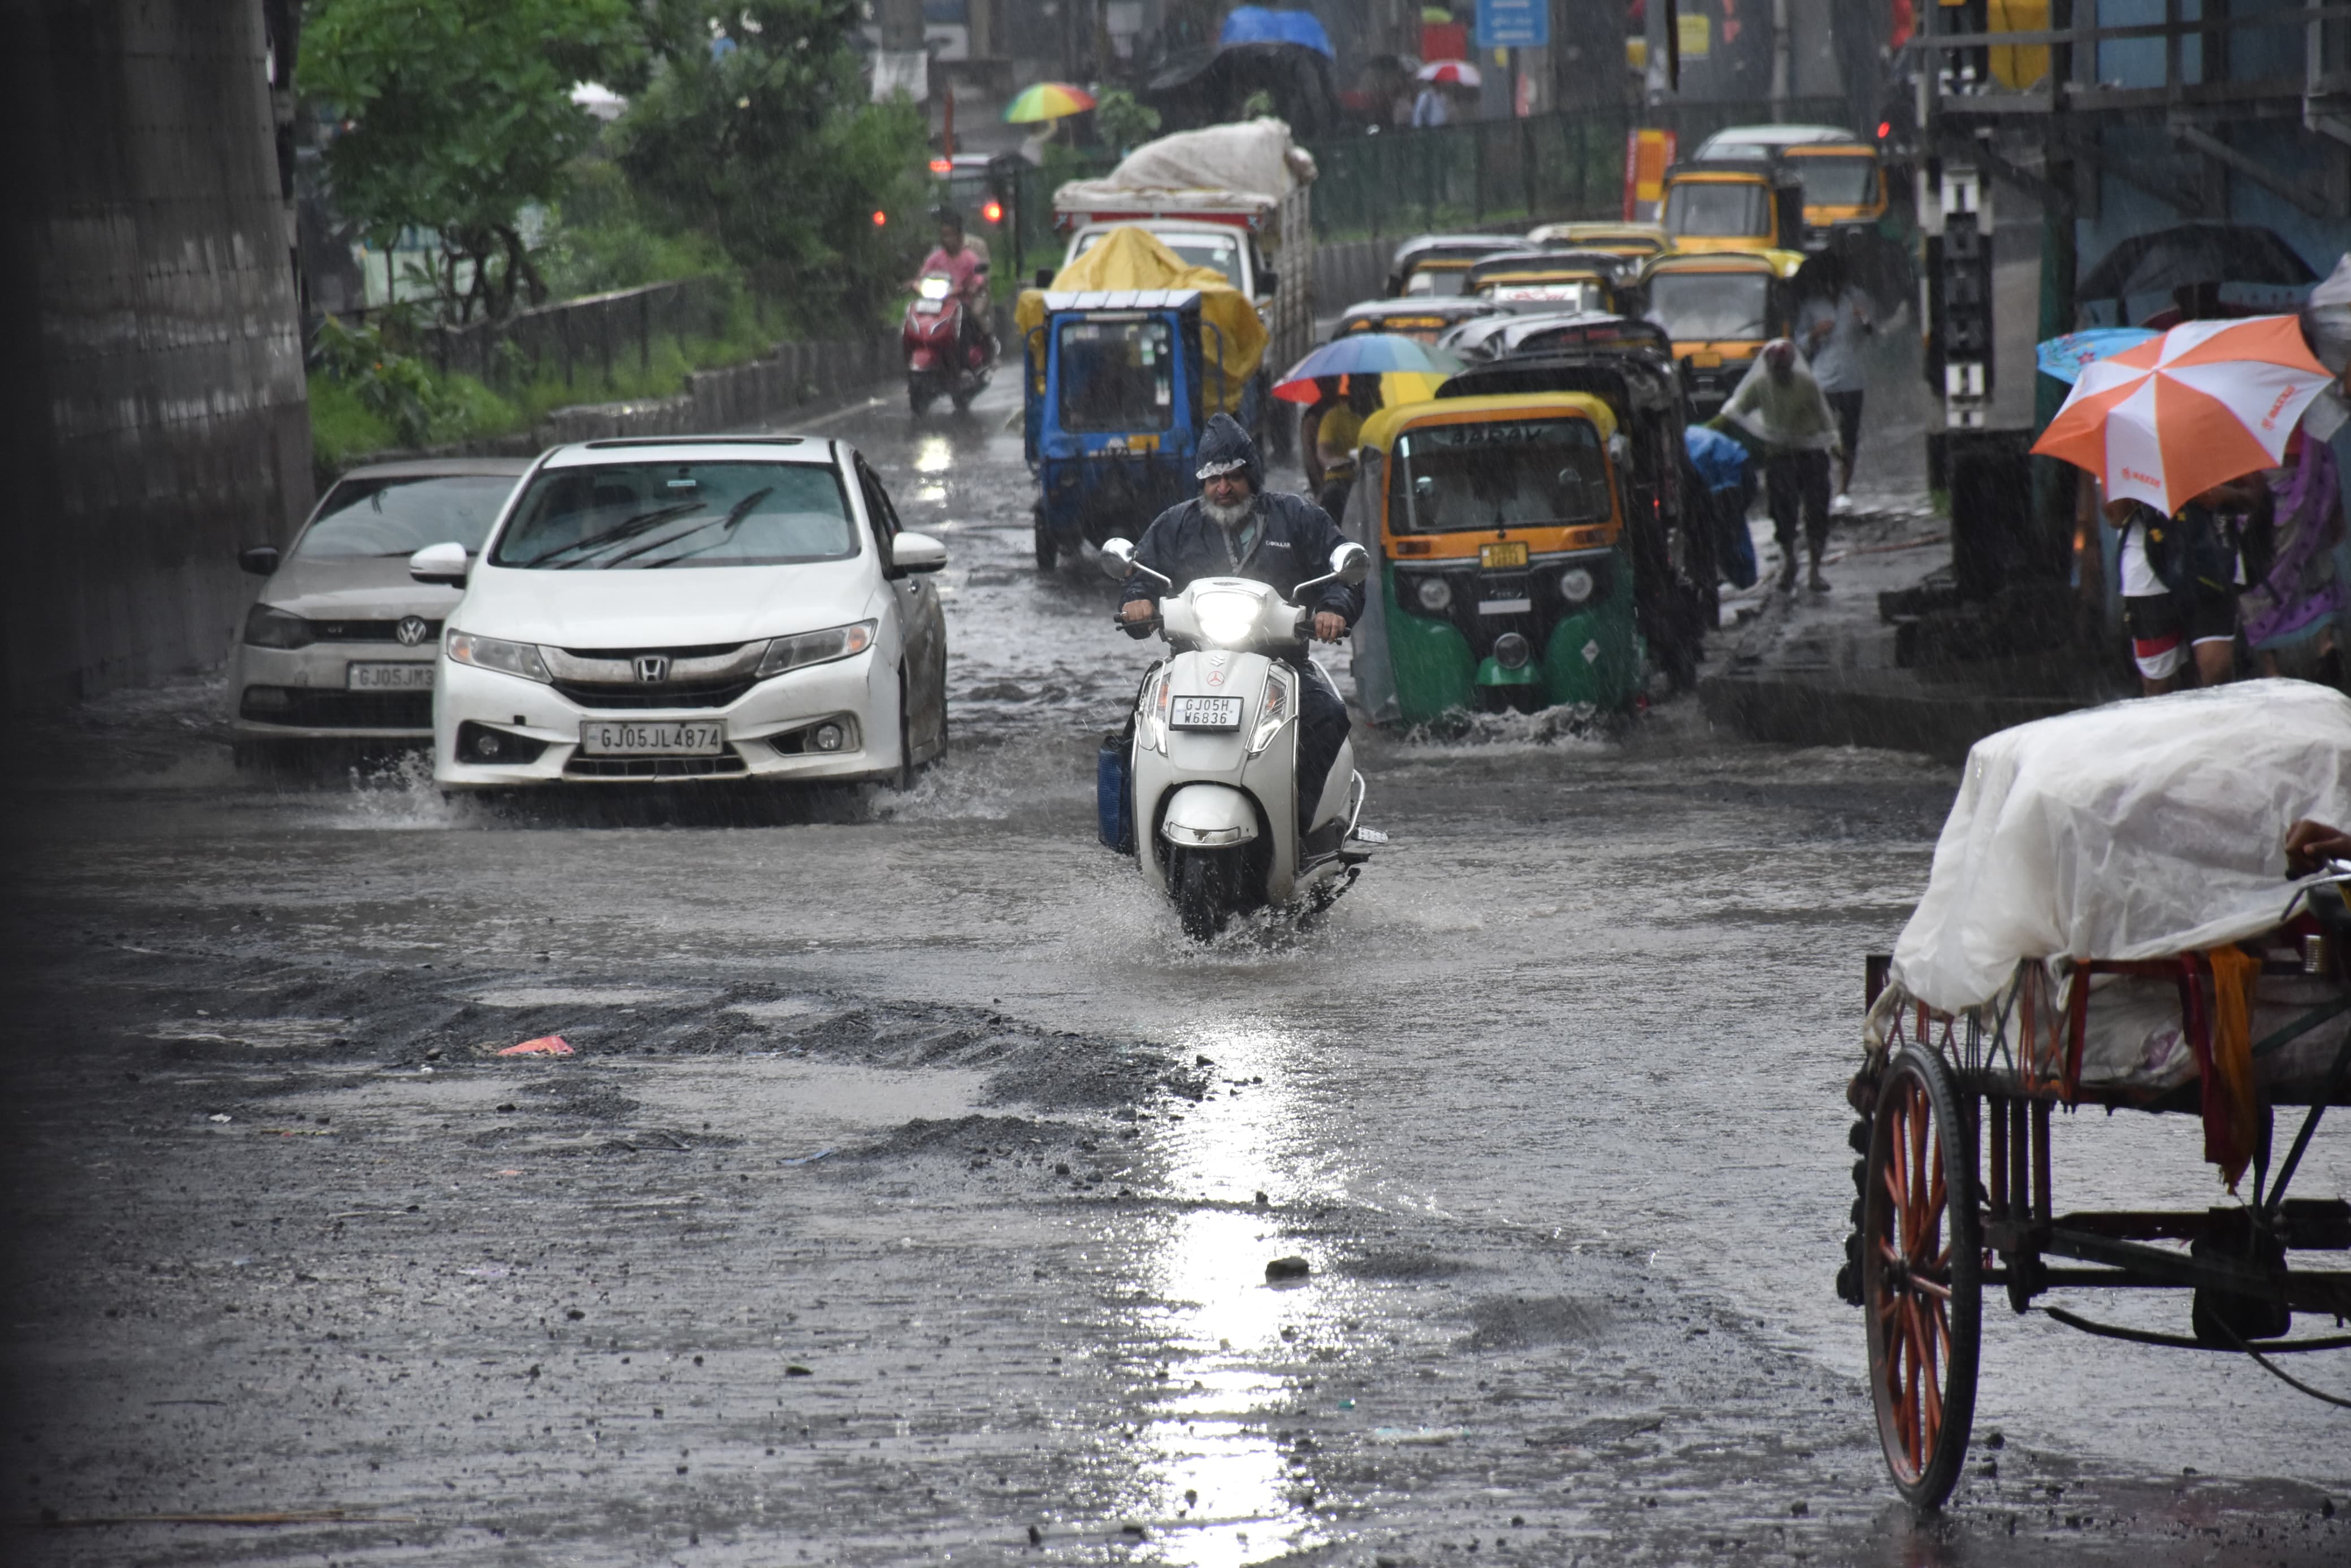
x: 1206, y: 1460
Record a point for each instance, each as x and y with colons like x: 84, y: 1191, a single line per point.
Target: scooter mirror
x: 1118, y: 559
x: 1350, y: 563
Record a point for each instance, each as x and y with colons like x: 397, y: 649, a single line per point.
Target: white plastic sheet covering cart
x: 2108, y: 922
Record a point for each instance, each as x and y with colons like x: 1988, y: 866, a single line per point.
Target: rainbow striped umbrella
x: 1048, y: 100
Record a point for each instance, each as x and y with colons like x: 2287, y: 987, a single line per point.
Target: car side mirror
x: 1044, y: 279
x: 917, y: 552
x: 1350, y: 563
x: 444, y: 563
x: 1268, y: 280
x: 1118, y: 559
x: 259, y: 559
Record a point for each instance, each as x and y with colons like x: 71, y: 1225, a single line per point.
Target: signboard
x: 1513, y: 24
x: 1647, y: 155
x: 1696, y: 35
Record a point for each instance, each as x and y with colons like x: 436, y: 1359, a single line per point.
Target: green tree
x: 754, y: 127
x: 454, y: 115
x: 1125, y: 120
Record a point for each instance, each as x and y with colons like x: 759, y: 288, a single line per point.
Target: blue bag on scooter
x: 1114, y: 801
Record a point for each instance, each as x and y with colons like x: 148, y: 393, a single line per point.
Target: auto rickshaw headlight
x: 1575, y: 585
x: 1512, y: 651
x: 1435, y: 595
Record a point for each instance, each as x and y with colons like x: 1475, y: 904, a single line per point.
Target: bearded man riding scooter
x: 1238, y: 528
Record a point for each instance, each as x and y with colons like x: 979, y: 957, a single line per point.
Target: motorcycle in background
x: 1205, y: 796
x: 941, y: 360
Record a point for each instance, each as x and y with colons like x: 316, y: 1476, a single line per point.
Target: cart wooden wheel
x: 1922, y: 1275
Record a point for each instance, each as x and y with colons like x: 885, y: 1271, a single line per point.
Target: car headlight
x: 267, y: 626
x: 1274, y: 708
x: 494, y: 654
x: 1226, y: 618
x: 816, y: 648
x: 1575, y: 584
x: 1435, y: 595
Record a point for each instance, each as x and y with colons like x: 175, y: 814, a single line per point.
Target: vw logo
x: 411, y: 630
x: 651, y: 667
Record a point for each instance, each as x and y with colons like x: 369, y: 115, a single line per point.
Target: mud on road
x: 909, y: 1191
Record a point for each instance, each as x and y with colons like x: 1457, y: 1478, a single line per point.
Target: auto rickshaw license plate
x: 1206, y: 713
x: 1509, y: 553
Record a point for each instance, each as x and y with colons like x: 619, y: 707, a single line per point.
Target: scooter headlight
x: 935, y: 287
x: 1274, y: 708
x: 1435, y: 595
x: 1226, y: 619
x: 1575, y: 585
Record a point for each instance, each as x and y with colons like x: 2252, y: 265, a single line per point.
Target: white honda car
x: 717, y: 607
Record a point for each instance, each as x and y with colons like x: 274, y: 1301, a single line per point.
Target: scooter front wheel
x: 1204, y: 883
x: 919, y: 393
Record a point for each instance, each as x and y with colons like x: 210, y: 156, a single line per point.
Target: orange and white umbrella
x: 2206, y: 403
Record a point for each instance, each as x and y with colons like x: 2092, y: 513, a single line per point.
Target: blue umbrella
x: 2064, y: 359
x: 1361, y: 354
x: 1255, y: 25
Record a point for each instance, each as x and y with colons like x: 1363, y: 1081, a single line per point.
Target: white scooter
x: 1209, y: 789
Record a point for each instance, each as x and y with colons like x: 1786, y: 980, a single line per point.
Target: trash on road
x: 1416, y: 1437
x: 544, y: 1045
x: 1283, y: 1269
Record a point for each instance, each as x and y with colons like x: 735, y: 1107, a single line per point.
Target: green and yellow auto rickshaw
x: 1503, y: 581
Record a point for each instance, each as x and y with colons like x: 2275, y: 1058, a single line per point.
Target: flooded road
x: 909, y: 1194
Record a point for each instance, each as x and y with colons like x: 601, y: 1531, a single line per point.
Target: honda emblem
x: 411, y: 630
x: 653, y: 667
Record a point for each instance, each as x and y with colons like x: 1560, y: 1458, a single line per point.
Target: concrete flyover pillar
x: 153, y: 399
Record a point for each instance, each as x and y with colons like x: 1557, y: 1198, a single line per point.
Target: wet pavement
x: 909, y: 1194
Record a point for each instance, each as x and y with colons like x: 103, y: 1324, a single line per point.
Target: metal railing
x: 598, y: 334
x: 1401, y: 182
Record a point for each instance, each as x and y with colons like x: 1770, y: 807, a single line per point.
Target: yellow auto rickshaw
x: 1551, y: 280
x: 1720, y: 308
x: 1741, y: 206
x: 1635, y: 242
x: 1503, y: 581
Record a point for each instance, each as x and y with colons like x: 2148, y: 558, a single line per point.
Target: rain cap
x: 1224, y: 446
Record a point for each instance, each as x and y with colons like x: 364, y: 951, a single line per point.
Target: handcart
x: 2249, y: 1032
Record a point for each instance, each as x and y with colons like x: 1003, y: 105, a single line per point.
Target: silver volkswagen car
x: 341, y: 643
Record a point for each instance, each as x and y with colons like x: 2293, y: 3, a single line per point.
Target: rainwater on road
x: 909, y: 1192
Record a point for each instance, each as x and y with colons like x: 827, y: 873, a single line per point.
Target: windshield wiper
x: 734, y: 514
x: 627, y: 529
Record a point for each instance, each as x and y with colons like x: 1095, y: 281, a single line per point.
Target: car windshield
x: 1694, y: 306
x: 1723, y: 209
x: 646, y: 515
x: 1118, y: 374
x: 1838, y: 182
x: 1438, y: 282
x: 1220, y: 251
x: 1500, y: 474
x: 398, y: 516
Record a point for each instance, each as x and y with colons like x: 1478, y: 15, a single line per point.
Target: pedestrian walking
x: 1833, y: 325
x: 2293, y: 597
x: 1780, y: 415
x: 2182, y: 577
x: 1432, y: 108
